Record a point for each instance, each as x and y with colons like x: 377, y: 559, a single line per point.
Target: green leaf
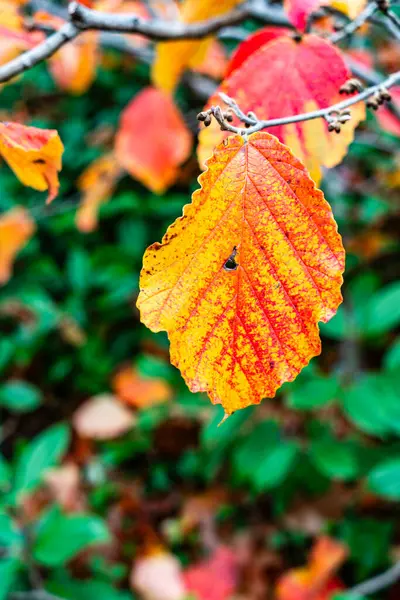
x: 391, y: 360
x: 255, y: 446
x: 87, y: 590
x: 5, y: 474
x: 273, y: 467
x: 8, y: 570
x: 337, y: 327
x: 78, y: 269
x: 313, y: 394
x: 383, y: 310
x: 384, y: 479
x: 334, y: 459
x: 19, y: 396
x: 372, y: 404
x: 63, y: 536
x: 45, y: 451
x: 10, y: 535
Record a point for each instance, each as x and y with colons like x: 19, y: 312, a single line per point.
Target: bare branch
x: 355, y: 24
x: 337, y: 111
x: 377, y: 583
x: 29, y: 59
x: 82, y: 19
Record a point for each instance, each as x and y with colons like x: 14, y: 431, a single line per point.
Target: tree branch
x: 355, y: 24
x: 375, y: 584
x: 330, y: 113
x: 29, y: 59
x: 82, y: 19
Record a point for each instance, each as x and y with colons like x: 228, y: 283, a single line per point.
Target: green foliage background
x: 334, y: 431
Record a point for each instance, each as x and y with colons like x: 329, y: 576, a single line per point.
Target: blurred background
x: 113, y: 476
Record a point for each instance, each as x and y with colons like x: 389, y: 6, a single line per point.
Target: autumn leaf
x: 241, y: 280
x: 351, y: 8
x: 16, y: 228
x: 214, y: 63
x: 214, y: 578
x: 316, y: 581
x: 140, y: 391
x: 13, y: 36
x: 97, y: 184
x: 173, y: 58
x: 33, y: 154
x: 102, y: 417
x: 152, y: 140
x: 297, y: 77
x: 252, y: 44
x: 74, y: 65
x: 158, y: 576
x: 299, y: 11
x: 386, y: 119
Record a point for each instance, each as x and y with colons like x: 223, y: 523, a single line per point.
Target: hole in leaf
x: 231, y: 264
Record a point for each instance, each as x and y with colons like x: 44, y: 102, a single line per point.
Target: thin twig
x: 394, y: 18
x: 255, y: 124
x: 355, y: 24
x: 375, y: 584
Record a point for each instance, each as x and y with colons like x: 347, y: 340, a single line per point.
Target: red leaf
x: 299, y: 11
x: 153, y: 139
x: 252, y: 44
x: 214, y: 578
x: 297, y: 77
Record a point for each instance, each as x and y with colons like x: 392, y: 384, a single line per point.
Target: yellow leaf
x: 16, y: 227
x: 172, y: 58
x: 352, y: 8
x: 33, y: 154
x: 241, y: 280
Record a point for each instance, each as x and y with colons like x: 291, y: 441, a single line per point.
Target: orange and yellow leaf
x: 316, y: 581
x: 241, y: 280
x: 16, y: 228
x: 152, y: 140
x: 297, y: 77
x: 33, y: 154
x: 97, y: 184
x: 74, y: 65
x: 137, y: 390
x: 173, y: 58
x: 351, y: 8
x: 13, y: 35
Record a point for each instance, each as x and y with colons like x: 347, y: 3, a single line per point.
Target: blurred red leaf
x: 214, y: 578
x: 387, y: 120
x: 152, y: 140
x: 299, y: 11
x: 252, y: 44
